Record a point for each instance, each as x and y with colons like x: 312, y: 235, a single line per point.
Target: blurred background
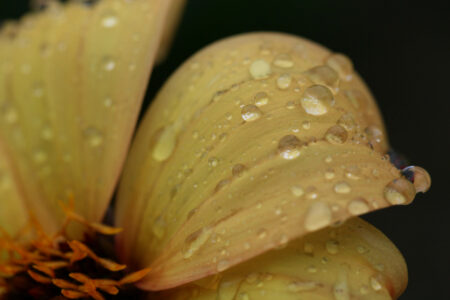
x: 403, y: 53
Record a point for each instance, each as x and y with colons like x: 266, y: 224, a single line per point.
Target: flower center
x: 57, y: 267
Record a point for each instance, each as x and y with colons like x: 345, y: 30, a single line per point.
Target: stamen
x: 54, y: 265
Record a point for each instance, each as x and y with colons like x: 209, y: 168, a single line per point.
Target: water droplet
x: 108, y: 64
x: 336, y: 135
x: 316, y: 99
x: 308, y: 248
x: 342, y: 187
x: 195, y: 241
x: 341, y: 64
x: 165, y: 145
x: 289, y: 147
x: 347, y: 121
x: 419, y: 177
x: 283, y: 61
x: 329, y: 174
x: 358, y: 207
x: 252, y: 278
x: 222, y: 265
x: 260, y: 69
x: 301, y: 286
x: 237, y: 170
x: 250, y: 113
x: 306, y: 125
x: 297, y: 191
x: 244, y: 296
x: 94, y: 137
x: 375, y: 284
x: 332, y: 246
x: 323, y: 75
x: 261, y: 99
x: 262, y: 233
x: 340, y: 290
x: 362, y: 249
x: 317, y: 216
x: 290, y: 105
x: 399, y: 191
x: 213, y: 162
x: 159, y: 227
x: 311, y: 269
x: 374, y: 134
x: 284, y: 81
x: 109, y: 20
x: 364, y: 289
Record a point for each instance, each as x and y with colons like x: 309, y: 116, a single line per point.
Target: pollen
x: 57, y: 267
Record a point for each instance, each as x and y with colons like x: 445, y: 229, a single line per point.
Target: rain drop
x: 94, y: 137
x: 316, y: 99
x: 342, y: 188
x: 297, y: 191
x: 358, y: 207
x: 419, y: 177
x: 165, y: 145
x: 336, y: 135
x: 284, y: 81
x: 195, y: 241
x: 283, y: 61
x: 399, y: 191
x: 317, y: 216
x: 250, y: 113
x: 323, y: 75
x: 261, y: 99
x: 289, y: 147
x: 109, y: 20
x: 260, y: 69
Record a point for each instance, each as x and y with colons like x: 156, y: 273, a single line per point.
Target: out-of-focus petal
x: 353, y: 261
x: 255, y: 141
x: 72, y: 79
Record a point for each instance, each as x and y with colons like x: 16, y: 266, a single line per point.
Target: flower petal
x: 255, y: 141
x: 72, y: 81
x: 353, y: 261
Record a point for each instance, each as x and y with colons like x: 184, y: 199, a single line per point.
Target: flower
x: 259, y: 142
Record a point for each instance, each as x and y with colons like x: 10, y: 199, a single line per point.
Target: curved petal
x: 353, y: 261
x: 72, y: 79
x: 255, y: 141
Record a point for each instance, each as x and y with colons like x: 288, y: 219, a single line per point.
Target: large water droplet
x: 316, y: 100
x: 317, y: 216
x: 358, y: 207
x: 195, y: 241
x: 399, y: 191
x: 336, y: 135
x: 165, y: 145
x: 250, y: 113
x: 260, y: 69
x: 419, y: 177
x: 323, y: 75
x: 289, y: 147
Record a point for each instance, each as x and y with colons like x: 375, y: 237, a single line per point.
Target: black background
x: 403, y: 53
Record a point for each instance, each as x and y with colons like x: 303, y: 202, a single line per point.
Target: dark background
x: 403, y: 53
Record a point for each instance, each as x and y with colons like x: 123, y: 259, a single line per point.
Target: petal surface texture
x: 255, y: 141
x: 353, y: 261
x: 72, y: 79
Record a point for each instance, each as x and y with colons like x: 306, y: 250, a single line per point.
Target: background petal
x: 72, y: 81
x: 253, y: 142
x: 353, y: 261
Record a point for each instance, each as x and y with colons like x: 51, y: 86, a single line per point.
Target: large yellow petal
x: 72, y: 81
x: 255, y: 141
x: 353, y: 261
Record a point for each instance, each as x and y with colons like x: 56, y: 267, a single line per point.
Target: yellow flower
x: 238, y: 182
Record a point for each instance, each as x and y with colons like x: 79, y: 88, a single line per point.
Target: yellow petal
x: 353, y: 261
x: 255, y: 141
x: 72, y: 81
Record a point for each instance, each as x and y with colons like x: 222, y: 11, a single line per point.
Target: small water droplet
x: 342, y: 187
x: 358, y: 207
x: 261, y: 99
x: 332, y: 246
x: 165, y: 145
x: 317, y: 216
x: 341, y: 64
x: 108, y: 102
x: 260, y: 69
x: 316, y: 99
x: 419, y: 177
x: 40, y: 156
x: 336, y: 135
x: 329, y: 174
x: 308, y: 248
x: 195, y: 241
x: 250, y: 113
x: 283, y: 61
x: 213, y: 162
x: 222, y: 265
x: 262, y: 233
x: 323, y: 75
x: 362, y: 249
x: 252, y: 278
x: 399, y: 191
x: 94, y: 137
x: 159, y: 228
x: 306, y: 125
x: 301, y: 286
x: 108, y: 64
x: 340, y: 290
x: 297, y: 190
x: 290, y: 105
x: 375, y: 284
x: 109, y: 20
x: 284, y: 81
x: 289, y: 147
x: 244, y: 296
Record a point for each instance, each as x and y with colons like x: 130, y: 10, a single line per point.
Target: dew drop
x: 301, y: 286
x: 213, y: 162
x: 261, y: 99
x: 332, y: 246
x: 284, y: 81
x: 347, y: 121
x: 237, y: 170
x: 108, y: 64
x: 306, y: 125
x: 419, y: 177
x: 316, y: 99
x: 195, y: 241
x: 94, y: 137
x: 260, y: 69
x: 358, y: 207
x: 323, y: 75
x: 165, y: 145
x: 342, y: 187
x: 375, y: 284
x: 342, y: 65
x: 289, y: 147
x: 308, y: 248
x: 399, y: 191
x: 340, y: 290
x: 250, y: 113
x: 329, y: 174
x: 222, y: 265
x: 336, y: 135
x: 297, y: 191
x: 262, y: 233
x: 159, y: 228
x: 317, y: 216
x: 109, y: 20
x: 283, y: 61
x: 290, y: 105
